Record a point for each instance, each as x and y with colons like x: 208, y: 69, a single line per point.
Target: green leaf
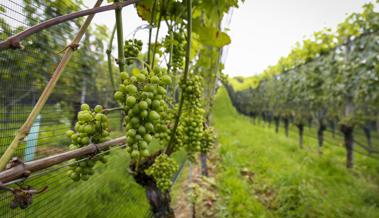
x: 144, y: 9
x: 195, y: 46
x: 210, y: 36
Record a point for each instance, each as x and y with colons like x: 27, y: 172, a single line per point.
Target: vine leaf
x: 144, y: 10
x: 195, y: 46
x: 210, y: 36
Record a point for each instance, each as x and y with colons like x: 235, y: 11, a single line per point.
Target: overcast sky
x: 262, y: 30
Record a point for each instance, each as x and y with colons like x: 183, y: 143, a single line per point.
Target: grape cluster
x: 193, y: 114
x: 163, y: 170
x: 143, y: 97
x: 179, y: 49
x: 92, y: 127
x: 165, y: 134
x: 132, y: 48
x: 209, y: 140
x: 163, y: 128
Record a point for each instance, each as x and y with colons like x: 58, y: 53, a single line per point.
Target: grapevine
x: 178, y: 48
x: 163, y: 171
x: 132, y: 48
x: 209, y: 139
x: 143, y: 97
x: 92, y: 127
x: 148, y: 112
x: 193, y: 114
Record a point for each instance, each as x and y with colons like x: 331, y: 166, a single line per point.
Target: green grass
x: 110, y: 192
x: 285, y: 180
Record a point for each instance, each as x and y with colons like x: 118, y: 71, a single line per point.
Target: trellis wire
x: 339, y: 140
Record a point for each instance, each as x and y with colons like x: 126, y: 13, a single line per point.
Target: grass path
x: 263, y: 174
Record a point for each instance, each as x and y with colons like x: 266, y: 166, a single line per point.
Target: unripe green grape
x: 161, y: 90
x: 138, y: 137
x: 135, y: 154
x: 136, y: 110
x: 156, y: 104
x: 149, y: 127
x: 143, y: 105
x: 74, y: 137
x: 119, y: 96
x: 99, y: 117
x: 75, y: 176
x: 148, y: 101
x: 145, y: 153
x: 77, y: 124
x: 134, y: 121
x: 158, y: 97
x: 144, y: 114
x: 78, y: 169
x: 131, y: 132
x: 124, y: 75
x: 154, y: 79
x: 85, y: 140
x: 83, y: 164
x: 72, y: 147
x: 91, y: 163
x: 143, y: 144
x: 89, y: 129
x: 148, y: 138
x: 133, y: 79
x: 141, y: 130
x: 85, y: 107
x: 149, y: 88
x: 128, y: 149
x: 131, y: 89
x: 130, y: 140
x: 69, y: 172
x: 98, y: 109
x: 141, y: 77
x: 153, y: 116
x: 69, y: 133
x: 130, y: 101
x: 166, y: 80
x: 135, y: 146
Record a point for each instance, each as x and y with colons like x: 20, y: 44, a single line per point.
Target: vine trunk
x: 160, y: 202
x: 286, y: 125
x: 349, y: 144
x: 320, y: 136
x: 300, y: 127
